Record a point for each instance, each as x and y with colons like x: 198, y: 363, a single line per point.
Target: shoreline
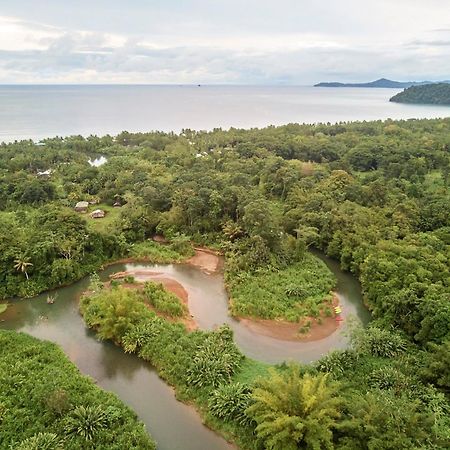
x: 210, y: 262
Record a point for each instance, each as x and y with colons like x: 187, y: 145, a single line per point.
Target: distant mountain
x: 429, y: 94
x: 381, y: 83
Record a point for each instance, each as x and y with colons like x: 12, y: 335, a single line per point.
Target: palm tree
x: 22, y: 264
x: 294, y: 410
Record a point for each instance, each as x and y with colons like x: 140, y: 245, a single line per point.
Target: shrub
x: 378, y: 342
x: 113, y: 313
x: 42, y: 441
x: 216, y: 359
x: 389, y: 378
x: 86, y: 421
x: 337, y: 362
x: 163, y: 301
x: 230, y: 401
x: 37, y: 381
x: 58, y: 401
x: 290, y: 293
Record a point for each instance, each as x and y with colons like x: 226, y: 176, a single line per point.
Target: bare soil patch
x: 289, y: 331
x: 205, y: 259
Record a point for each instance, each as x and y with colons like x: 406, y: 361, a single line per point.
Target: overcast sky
x: 223, y: 41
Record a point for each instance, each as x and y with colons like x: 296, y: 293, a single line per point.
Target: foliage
x: 164, y: 301
x: 230, y: 402
x: 45, y: 396
x: 41, y: 441
x: 435, y: 94
x: 113, y: 313
x: 86, y: 421
x: 378, y: 342
x: 49, y: 247
x: 337, y: 362
x: 300, y: 290
x: 215, y: 361
x: 372, y: 195
x: 437, y: 365
x: 157, y: 253
x: 378, y: 420
x: 294, y: 410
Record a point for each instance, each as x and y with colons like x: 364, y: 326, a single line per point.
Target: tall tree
x: 21, y: 265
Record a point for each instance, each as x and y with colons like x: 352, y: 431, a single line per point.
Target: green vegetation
x: 295, y: 410
x: 3, y: 307
x: 160, y: 254
x: 45, y: 403
x: 372, y: 195
x: 295, y: 292
x: 340, y: 402
x: 103, y: 225
x: 195, y: 363
x: 432, y: 94
x: 164, y: 301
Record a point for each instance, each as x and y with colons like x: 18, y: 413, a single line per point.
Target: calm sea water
x: 35, y: 112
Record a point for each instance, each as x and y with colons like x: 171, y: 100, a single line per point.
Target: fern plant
x: 42, y: 441
x: 295, y: 411
x: 86, y: 421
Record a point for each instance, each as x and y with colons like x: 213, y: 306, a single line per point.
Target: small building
x: 82, y: 207
x: 97, y: 214
x: 117, y: 205
x: 45, y: 173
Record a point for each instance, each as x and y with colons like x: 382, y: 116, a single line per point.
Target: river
x: 174, y: 425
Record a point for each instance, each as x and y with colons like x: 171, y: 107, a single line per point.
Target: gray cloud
x: 199, y: 41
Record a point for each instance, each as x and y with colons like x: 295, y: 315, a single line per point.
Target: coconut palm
x: 22, y: 264
x: 294, y: 410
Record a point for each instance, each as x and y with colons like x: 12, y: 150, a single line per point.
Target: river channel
x: 174, y: 425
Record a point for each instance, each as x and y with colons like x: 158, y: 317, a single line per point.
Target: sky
x: 288, y: 42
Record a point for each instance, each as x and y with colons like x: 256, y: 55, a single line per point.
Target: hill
x: 381, y: 83
x: 432, y: 94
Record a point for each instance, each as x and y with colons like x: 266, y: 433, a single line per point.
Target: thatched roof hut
x: 98, y: 214
x: 82, y: 207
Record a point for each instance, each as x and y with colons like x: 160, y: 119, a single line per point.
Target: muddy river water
x: 173, y: 424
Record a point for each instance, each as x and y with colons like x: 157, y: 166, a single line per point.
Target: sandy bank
x: 289, y: 331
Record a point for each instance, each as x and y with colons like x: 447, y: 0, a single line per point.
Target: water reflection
x: 97, y: 162
x: 173, y: 424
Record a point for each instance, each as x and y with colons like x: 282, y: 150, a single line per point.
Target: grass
x: 292, y: 293
x: 3, y: 307
x: 102, y: 225
x: 250, y: 371
x: 164, y: 301
x: 157, y: 253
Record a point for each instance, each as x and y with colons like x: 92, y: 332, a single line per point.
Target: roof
x: 82, y: 205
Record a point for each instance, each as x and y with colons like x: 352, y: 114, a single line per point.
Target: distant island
x: 381, y: 83
x: 431, y: 94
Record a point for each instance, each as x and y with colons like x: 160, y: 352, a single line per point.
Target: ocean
x: 36, y: 112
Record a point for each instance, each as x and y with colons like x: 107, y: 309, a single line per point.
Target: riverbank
x: 289, y: 331
x: 169, y: 284
x: 308, y: 330
x: 45, y: 392
x: 125, y: 374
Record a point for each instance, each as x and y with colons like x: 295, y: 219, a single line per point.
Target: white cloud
x: 288, y: 41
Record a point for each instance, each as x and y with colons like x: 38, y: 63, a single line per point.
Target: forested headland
x: 372, y: 195
x: 428, y: 94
